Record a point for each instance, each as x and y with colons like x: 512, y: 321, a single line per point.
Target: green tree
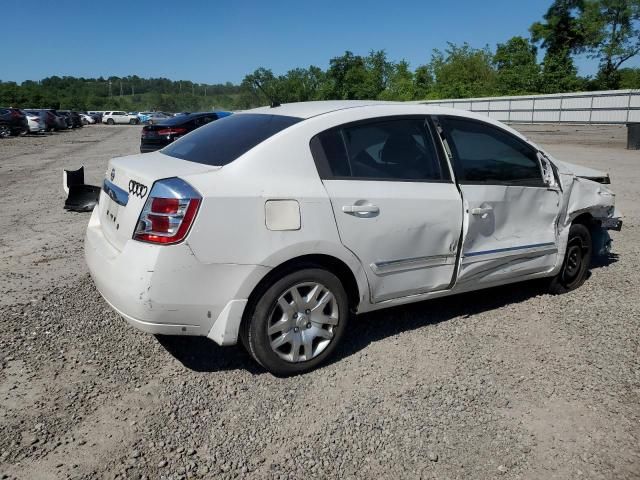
x: 517, y: 67
x: 463, y: 72
x: 629, y: 78
x: 423, y: 82
x: 559, y: 74
x: 561, y: 34
x: 401, y: 84
x: 611, y: 31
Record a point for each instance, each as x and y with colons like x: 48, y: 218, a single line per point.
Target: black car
x: 72, y: 117
x: 14, y: 121
x: 161, y: 134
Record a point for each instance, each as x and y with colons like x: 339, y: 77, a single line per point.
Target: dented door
x: 511, y: 210
x: 405, y: 234
x: 395, y: 204
x: 511, y: 232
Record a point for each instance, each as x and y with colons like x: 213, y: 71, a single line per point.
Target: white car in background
x: 114, y: 117
x: 272, y: 226
x: 87, y: 119
x: 36, y: 120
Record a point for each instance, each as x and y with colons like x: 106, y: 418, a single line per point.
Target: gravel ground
x: 508, y: 383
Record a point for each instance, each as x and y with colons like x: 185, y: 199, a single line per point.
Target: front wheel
x: 297, y: 322
x: 576, y: 263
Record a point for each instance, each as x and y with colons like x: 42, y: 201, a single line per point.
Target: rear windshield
x: 221, y: 142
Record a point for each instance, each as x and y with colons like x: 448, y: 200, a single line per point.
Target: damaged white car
x: 273, y: 226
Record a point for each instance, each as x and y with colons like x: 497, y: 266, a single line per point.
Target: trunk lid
x: 127, y: 185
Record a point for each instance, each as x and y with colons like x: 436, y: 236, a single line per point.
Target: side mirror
x: 548, y: 175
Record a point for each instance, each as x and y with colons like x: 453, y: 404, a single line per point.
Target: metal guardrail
x: 612, y: 106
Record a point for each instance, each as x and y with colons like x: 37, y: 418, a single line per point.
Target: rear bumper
x: 165, y: 289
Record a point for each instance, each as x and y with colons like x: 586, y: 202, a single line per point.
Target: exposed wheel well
x: 585, y: 219
x: 600, y: 239
x: 332, y: 264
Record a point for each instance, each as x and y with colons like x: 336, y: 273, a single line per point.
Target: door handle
x: 481, y: 211
x: 361, y: 210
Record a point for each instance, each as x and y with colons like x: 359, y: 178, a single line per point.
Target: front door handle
x: 481, y: 210
x: 361, y: 210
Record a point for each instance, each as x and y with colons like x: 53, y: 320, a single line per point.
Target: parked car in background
x: 156, y: 136
x: 66, y: 117
x: 50, y: 120
x: 119, y: 117
x: 14, y: 120
x: 141, y: 116
x: 37, y: 120
x: 61, y: 120
x: 97, y: 116
x: 87, y: 119
x: 74, y: 117
x: 5, y: 128
x: 271, y: 226
x: 153, y: 117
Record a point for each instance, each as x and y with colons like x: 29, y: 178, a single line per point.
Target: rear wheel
x: 576, y: 261
x: 110, y: 121
x: 133, y: 121
x: 297, y: 322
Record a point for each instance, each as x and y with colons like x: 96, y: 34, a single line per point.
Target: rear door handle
x: 361, y: 210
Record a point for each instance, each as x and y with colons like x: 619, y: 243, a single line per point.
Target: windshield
x: 221, y: 142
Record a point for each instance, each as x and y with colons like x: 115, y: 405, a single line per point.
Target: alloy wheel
x: 301, y: 323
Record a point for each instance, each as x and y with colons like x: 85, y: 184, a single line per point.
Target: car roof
x: 307, y: 110
x: 312, y: 109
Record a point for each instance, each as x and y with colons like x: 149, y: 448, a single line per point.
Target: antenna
x: 274, y: 102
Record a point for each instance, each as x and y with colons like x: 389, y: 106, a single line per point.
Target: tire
x: 133, y: 121
x: 577, y: 259
x: 314, y: 324
x: 110, y: 121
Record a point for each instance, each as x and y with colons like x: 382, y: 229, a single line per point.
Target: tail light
x: 168, y: 212
x: 172, y: 131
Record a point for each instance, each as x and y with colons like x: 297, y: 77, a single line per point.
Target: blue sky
x: 219, y: 41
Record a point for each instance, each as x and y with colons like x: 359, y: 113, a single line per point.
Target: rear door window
x: 221, y: 142
x: 394, y: 149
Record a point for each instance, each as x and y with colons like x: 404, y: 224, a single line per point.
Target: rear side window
x: 221, y: 142
x: 486, y: 154
x: 395, y: 149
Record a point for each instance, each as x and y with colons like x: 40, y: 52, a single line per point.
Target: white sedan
x: 272, y: 226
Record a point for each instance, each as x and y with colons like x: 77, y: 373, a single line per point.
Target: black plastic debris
x: 80, y: 197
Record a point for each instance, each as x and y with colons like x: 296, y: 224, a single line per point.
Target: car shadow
x: 372, y: 327
x: 201, y: 354
x: 604, y: 260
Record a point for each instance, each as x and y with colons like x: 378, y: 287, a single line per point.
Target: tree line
x: 605, y: 30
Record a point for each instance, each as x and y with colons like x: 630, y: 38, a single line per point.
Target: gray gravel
x: 508, y: 383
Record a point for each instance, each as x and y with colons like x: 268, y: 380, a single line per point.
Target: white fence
x: 613, y: 106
